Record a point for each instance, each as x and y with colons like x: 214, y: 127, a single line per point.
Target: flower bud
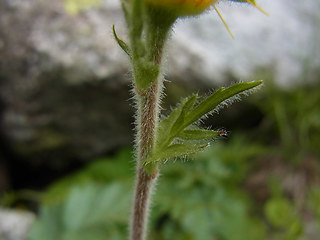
x: 183, y: 7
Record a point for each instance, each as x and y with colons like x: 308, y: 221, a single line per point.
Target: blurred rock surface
x: 15, y: 225
x: 286, y: 43
x: 64, y: 81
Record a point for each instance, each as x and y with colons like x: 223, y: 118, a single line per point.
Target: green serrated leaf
x: 177, y: 126
x: 217, y: 98
x: 185, y: 114
x: 175, y: 150
x: 199, y: 134
x: 169, y: 125
x: 121, y: 43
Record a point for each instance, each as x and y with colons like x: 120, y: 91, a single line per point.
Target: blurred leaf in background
x: 204, y: 191
x: 100, y: 171
x: 295, y: 114
x: 314, y: 204
x: 89, y: 212
x: 203, y: 199
x: 282, y: 215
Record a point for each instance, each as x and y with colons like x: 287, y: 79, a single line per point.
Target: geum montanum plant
x: 177, y: 135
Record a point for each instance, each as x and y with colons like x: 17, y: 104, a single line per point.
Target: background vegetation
x: 260, y: 182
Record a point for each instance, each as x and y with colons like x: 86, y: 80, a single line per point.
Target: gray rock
x: 286, y: 42
x: 15, y: 225
x: 64, y: 81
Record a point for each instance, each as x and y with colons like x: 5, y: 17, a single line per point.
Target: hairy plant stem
x: 148, y: 100
x: 144, y: 187
x: 146, y: 126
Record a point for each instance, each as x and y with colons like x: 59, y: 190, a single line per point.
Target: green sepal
x: 174, y: 151
x: 170, y: 125
x: 214, y: 100
x: 121, y: 43
x: 136, y: 21
x: 140, y: 48
x: 158, y: 25
x: 126, y: 13
x: 145, y: 74
x: 199, y: 134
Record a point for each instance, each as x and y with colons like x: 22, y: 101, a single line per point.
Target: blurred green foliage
x: 295, y: 114
x: 196, y: 199
x: 314, y: 200
x: 102, y: 171
x: 282, y: 215
x: 203, y: 198
x: 88, y: 212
